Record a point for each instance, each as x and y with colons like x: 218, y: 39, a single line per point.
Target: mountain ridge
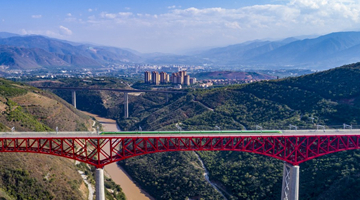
x: 82, y: 55
x: 319, y: 53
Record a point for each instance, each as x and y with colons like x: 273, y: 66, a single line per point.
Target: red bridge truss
x: 102, y: 150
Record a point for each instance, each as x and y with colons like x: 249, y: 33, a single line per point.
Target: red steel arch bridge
x: 293, y: 147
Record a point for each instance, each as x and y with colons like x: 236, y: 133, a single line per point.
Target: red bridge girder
x: 102, y: 150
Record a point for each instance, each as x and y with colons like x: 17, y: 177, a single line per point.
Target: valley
x: 273, y: 104
x: 201, y: 95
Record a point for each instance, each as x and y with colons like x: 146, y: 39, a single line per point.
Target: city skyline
x: 177, y: 26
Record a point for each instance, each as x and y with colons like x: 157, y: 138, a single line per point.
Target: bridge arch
x: 102, y: 150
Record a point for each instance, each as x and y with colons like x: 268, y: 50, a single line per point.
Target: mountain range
x: 323, y: 52
x: 27, y: 52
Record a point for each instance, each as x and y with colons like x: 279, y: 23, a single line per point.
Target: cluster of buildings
x: 212, y: 82
x: 157, y: 78
x: 230, y: 81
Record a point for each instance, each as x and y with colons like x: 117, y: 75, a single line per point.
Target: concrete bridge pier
x: 290, y: 184
x: 99, y: 185
x: 126, y: 105
x: 73, y: 98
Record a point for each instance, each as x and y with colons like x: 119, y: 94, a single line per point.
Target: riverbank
x: 117, y: 174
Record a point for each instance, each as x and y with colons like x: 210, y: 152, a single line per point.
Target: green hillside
x: 34, y: 176
x: 331, y: 97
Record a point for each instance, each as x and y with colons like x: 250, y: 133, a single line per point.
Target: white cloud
x: 233, y: 25
x: 36, y: 16
x: 90, y: 10
x: 23, y: 32
x: 64, y: 31
x: 69, y: 14
x: 124, y: 14
x: 108, y: 15
x: 115, y: 15
x: 328, y: 9
x: 220, y: 26
x: 39, y: 32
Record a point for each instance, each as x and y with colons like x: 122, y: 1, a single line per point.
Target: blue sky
x: 173, y: 26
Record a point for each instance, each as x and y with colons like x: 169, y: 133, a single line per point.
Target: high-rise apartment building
x: 155, y: 78
x: 147, y: 77
x: 182, y: 73
x: 187, y: 79
x: 174, y: 78
x: 179, y: 80
x: 164, y: 78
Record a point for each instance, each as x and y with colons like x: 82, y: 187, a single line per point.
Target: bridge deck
x: 286, y: 133
x: 293, y: 147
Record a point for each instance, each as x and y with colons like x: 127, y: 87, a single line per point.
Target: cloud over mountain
x: 64, y: 31
x: 190, y: 27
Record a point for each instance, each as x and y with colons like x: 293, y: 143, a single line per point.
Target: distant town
x: 156, y: 75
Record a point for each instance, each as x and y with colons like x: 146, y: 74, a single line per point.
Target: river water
x: 120, y: 177
x: 117, y: 174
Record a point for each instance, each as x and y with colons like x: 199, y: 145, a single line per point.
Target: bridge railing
x: 48, y: 133
x: 315, y: 127
x: 264, y: 129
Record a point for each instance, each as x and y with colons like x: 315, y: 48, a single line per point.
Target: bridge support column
x: 73, y: 98
x: 290, y: 184
x: 126, y: 105
x: 99, y: 185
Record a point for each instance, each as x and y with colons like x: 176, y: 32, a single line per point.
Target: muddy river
x: 117, y: 174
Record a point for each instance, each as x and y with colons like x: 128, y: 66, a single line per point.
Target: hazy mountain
x: 321, y: 52
x: 174, y: 59
x: 316, y: 53
x: 80, y: 55
x: 33, y: 58
x: 23, y: 58
x: 313, y: 51
x: 114, y: 54
x: 238, y: 53
x: 100, y: 54
x: 6, y: 35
